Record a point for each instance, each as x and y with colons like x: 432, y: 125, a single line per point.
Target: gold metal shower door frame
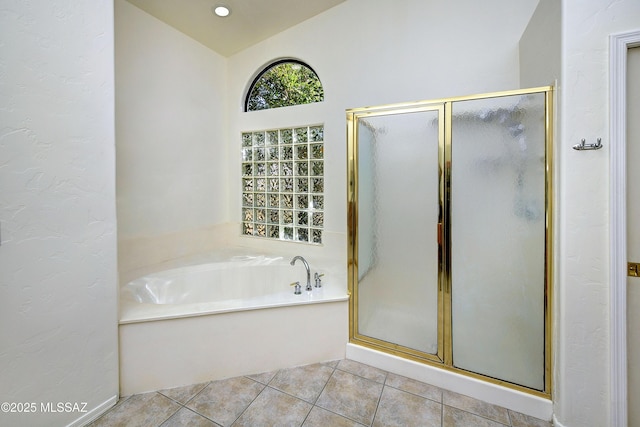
x: 444, y: 357
x: 352, y: 131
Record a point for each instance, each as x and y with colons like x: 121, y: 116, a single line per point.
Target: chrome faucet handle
x: 318, y: 279
x: 297, y: 290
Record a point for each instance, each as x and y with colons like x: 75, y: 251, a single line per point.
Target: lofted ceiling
x: 250, y: 21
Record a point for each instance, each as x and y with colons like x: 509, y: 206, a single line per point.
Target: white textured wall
x: 371, y: 53
x: 540, y: 53
x: 582, y: 369
x: 58, y: 336
x: 170, y: 131
x: 174, y: 183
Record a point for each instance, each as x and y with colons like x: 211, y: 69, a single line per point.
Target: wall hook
x: 584, y: 146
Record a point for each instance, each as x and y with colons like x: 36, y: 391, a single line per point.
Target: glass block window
x: 283, y: 184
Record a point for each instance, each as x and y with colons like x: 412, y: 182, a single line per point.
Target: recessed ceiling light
x: 221, y: 10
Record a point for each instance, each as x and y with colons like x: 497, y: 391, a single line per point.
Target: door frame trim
x: 619, y: 44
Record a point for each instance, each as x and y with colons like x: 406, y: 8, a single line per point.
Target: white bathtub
x: 224, y: 315
x: 236, y: 283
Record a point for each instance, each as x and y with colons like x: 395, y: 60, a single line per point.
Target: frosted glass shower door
x: 398, y: 201
x: 498, y: 235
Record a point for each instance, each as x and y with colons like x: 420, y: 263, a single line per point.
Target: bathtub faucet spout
x: 306, y: 266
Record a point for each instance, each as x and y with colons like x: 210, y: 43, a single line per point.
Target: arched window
x: 284, y: 83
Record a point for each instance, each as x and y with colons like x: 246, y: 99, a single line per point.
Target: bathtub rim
x: 131, y: 311
x: 152, y: 317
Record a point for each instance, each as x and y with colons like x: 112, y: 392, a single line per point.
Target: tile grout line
x: 189, y: 399
x: 264, y: 387
x: 313, y: 405
x: 479, y: 416
x: 335, y: 368
x: 415, y: 394
x: 174, y: 412
x: 193, y: 397
x: 333, y: 412
x: 202, y: 415
x: 199, y: 414
x: 325, y: 385
x: 384, y: 384
x: 365, y: 378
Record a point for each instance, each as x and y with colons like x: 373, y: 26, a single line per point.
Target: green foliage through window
x: 283, y: 84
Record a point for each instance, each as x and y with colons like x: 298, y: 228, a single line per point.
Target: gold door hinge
x: 633, y: 269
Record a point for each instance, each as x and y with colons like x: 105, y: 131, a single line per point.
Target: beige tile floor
x: 332, y: 394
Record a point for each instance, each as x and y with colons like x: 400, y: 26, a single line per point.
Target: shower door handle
x: 633, y: 269
x: 440, y: 276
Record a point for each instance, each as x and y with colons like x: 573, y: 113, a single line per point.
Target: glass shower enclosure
x: 450, y: 234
